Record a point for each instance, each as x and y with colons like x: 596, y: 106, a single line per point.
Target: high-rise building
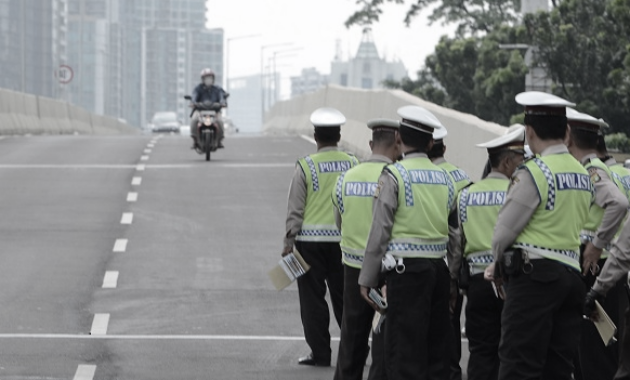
x: 32, y: 45
x: 367, y: 69
x: 310, y: 80
x: 188, y: 47
x: 245, y: 103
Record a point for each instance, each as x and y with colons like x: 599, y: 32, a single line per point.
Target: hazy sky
x: 313, y: 27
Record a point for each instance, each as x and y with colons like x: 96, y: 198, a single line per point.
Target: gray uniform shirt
x: 615, y: 204
x: 297, y: 202
x: 372, y: 158
x: 383, y: 214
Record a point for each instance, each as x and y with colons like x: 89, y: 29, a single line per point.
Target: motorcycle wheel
x: 208, y: 145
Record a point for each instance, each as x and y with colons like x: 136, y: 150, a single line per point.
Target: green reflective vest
x: 565, y: 191
x: 596, y: 213
x: 621, y: 176
x: 459, y: 177
x: 321, y: 171
x: 478, y: 209
x: 425, y: 197
x: 353, y: 197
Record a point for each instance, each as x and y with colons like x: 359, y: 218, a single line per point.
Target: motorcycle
x: 207, y: 125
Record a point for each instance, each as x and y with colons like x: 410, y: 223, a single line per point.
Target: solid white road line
x: 132, y: 197
x: 309, y: 139
x: 99, y: 324
x: 144, y: 158
x: 127, y: 218
x: 110, y: 281
x: 136, y: 181
x: 141, y: 167
x: 85, y: 372
x: 164, y: 337
x: 120, y: 245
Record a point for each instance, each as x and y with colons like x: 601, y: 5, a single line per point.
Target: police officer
x: 311, y: 227
x: 620, y: 174
x: 352, y: 198
x: 410, y: 222
x: 478, y: 208
x: 461, y: 180
x: 537, y: 241
x: 605, y: 218
x: 615, y: 270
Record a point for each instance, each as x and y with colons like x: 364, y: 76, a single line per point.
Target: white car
x: 165, y: 122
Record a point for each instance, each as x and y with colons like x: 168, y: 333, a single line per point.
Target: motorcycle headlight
x: 207, y: 120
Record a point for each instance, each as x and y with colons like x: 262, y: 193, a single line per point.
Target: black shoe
x: 310, y: 360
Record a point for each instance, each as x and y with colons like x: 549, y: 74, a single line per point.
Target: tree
x: 583, y: 45
x: 471, y: 16
x: 473, y: 75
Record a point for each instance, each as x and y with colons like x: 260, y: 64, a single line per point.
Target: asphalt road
x: 133, y: 258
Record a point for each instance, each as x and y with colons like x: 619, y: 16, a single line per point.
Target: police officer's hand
x: 590, y: 309
x: 488, y: 274
x: 364, y: 293
x: 590, y: 257
x: 286, y: 251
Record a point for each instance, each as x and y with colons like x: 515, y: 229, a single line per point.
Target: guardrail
x: 22, y: 113
x: 359, y: 106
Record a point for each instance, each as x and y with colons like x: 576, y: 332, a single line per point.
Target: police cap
x: 579, y: 120
x: 513, y: 139
x: 541, y: 103
x: 383, y: 124
x: 327, y: 117
x: 420, y: 119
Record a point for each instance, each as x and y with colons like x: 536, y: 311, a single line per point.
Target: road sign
x: 65, y: 74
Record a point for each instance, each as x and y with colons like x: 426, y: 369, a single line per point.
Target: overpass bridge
x: 129, y: 256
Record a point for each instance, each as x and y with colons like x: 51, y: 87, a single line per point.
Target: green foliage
x: 471, y: 16
x: 583, y: 44
x: 618, y: 142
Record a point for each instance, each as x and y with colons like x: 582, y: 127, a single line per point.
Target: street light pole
x: 262, y: 78
x: 275, y: 73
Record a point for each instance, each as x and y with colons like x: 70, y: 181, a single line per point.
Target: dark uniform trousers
x: 326, y: 269
x: 623, y: 372
x: 456, y: 341
x: 541, y: 323
x: 596, y: 361
x: 356, y: 325
x: 483, y: 328
x: 417, y: 325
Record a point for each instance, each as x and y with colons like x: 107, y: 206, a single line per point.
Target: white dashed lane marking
x: 140, y: 167
x: 136, y: 181
x: 144, y: 158
x: 85, y: 372
x: 147, y: 151
x: 110, y: 281
x: 99, y: 325
x: 127, y: 218
x: 120, y: 245
x: 132, y: 197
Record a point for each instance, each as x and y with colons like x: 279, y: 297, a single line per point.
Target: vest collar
x: 378, y: 158
x: 586, y: 159
x: 496, y: 175
x: 555, y: 149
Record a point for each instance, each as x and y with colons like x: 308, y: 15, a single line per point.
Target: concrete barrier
x: 22, y: 113
x: 359, y: 106
x: 80, y: 119
x: 7, y: 124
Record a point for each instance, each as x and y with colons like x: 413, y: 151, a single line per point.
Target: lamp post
x: 275, y: 75
x: 262, y: 78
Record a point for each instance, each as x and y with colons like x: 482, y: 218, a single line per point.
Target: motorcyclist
x: 207, y: 92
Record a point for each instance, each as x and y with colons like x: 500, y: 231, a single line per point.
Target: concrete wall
x: 22, y: 113
x: 359, y: 106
